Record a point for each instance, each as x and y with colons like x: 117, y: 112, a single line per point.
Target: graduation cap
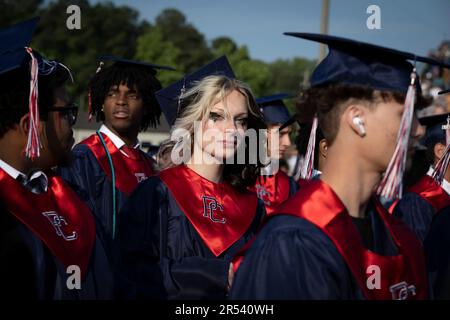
x: 360, y: 63
x: 168, y: 97
x: 274, y: 109
x: 13, y: 43
x: 434, y: 132
x: 15, y: 53
x: 118, y: 61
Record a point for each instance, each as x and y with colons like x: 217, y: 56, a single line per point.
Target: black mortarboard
x: 359, y: 63
x: 123, y: 62
x: 274, y: 109
x: 434, y: 132
x: 168, y: 97
x: 13, y: 41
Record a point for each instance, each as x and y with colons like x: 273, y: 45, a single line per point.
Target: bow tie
x: 37, y: 182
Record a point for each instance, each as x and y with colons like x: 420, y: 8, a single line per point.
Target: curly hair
x: 15, y: 91
x: 138, y: 77
x: 331, y: 101
x: 196, y: 104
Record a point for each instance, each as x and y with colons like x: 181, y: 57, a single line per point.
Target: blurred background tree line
x: 108, y: 29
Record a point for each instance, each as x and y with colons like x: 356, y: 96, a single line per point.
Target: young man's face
x: 382, y: 126
x: 284, y: 140
x: 58, y: 130
x: 123, y: 108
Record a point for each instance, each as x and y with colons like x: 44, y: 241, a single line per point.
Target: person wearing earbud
x: 334, y: 239
x: 360, y: 125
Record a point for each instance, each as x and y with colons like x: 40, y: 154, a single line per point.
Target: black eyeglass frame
x: 69, y: 111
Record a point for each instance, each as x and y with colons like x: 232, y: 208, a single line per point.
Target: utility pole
x: 324, y: 26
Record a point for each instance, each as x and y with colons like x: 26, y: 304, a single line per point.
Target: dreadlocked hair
x: 136, y: 77
x: 330, y: 102
x: 15, y: 91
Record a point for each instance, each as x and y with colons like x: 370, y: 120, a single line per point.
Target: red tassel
x: 32, y: 149
x: 391, y: 186
x: 308, y: 162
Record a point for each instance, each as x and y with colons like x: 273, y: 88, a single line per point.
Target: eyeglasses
x: 69, y: 112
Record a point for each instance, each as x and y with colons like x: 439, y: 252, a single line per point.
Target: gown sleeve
x: 292, y: 259
x: 437, y: 252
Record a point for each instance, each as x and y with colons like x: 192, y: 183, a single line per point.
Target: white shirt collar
x: 445, y: 184
x: 12, y: 172
x: 118, y: 143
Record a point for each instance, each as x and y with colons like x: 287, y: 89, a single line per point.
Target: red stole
x: 58, y: 217
x: 273, y: 190
x: 402, y: 276
x: 219, y: 213
x: 432, y: 192
x: 129, y: 171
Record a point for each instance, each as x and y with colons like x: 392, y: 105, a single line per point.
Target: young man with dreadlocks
x: 109, y: 164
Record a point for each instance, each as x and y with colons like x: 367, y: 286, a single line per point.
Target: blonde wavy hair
x: 195, y: 105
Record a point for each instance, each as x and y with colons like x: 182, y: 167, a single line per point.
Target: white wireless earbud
x: 358, y: 122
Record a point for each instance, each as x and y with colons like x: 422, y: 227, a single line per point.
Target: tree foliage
x: 108, y: 29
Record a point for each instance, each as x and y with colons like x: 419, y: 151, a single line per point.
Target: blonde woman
x: 180, y: 229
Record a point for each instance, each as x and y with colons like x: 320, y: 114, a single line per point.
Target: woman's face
x: 225, y: 126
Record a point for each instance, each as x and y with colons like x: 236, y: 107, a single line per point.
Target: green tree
x: 253, y: 72
x: 13, y: 11
x: 152, y: 48
x: 194, y: 51
x: 105, y: 29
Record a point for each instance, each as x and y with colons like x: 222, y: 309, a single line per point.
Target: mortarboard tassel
x: 32, y: 149
x: 308, y: 162
x: 442, y: 165
x: 391, y: 186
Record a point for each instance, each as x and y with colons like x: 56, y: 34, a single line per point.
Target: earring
x: 360, y: 124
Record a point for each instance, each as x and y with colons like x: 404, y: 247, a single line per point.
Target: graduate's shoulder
x: 294, y: 230
x: 151, y: 185
x: 412, y: 200
x: 82, y: 149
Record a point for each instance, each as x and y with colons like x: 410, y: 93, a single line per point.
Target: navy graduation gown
x: 90, y: 176
x: 29, y: 268
x: 164, y: 252
x: 416, y: 212
x: 437, y: 250
x: 293, y: 258
x: 419, y: 205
